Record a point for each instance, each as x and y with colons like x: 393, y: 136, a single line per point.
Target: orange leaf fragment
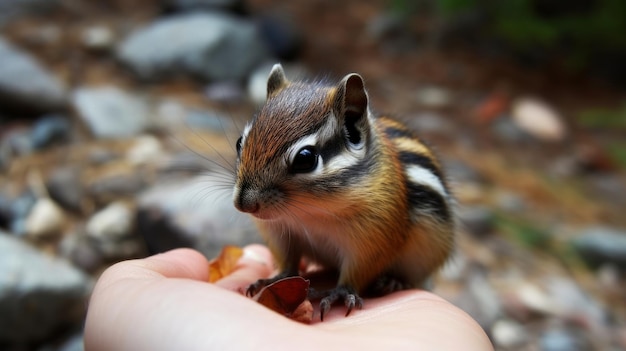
x: 225, y: 263
x: 285, y: 296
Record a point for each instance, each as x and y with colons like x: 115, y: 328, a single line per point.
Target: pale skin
x: 163, y: 302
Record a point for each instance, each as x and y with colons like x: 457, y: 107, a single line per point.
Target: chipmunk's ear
x: 276, y: 81
x: 351, y: 104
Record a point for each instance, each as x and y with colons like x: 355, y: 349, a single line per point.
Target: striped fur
x: 375, y: 205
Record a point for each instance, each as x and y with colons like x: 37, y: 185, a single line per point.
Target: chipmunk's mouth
x: 266, y: 214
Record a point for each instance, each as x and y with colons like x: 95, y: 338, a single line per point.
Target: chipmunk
x: 327, y: 180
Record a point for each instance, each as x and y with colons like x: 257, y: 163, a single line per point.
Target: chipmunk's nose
x: 246, y: 201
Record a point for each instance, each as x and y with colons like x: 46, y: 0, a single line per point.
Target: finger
x: 178, y: 263
x: 256, y: 263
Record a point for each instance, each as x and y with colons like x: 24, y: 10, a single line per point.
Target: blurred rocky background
x: 118, y: 120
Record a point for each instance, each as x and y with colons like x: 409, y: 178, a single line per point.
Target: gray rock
x: 480, y: 300
x: 228, y: 92
x: 433, y: 97
x: 111, y: 229
x: 192, y: 213
x: 83, y: 252
x: 18, y: 142
x: 98, y: 38
x: 45, y: 219
x: 15, y: 209
x: 110, y: 112
x: 211, y: 46
x: 601, y: 245
x: 509, y: 132
x: 478, y: 220
x: 461, y: 172
x: 65, y: 187
x: 110, y: 187
x: 508, y: 333
x: 25, y: 85
x: 430, y: 123
x: 561, y: 339
x: 49, y: 130
x: 38, y: 293
x: 609, y: 187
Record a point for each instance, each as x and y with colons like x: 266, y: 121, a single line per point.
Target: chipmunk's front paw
x: 256, y: 287
x: 347, y: 294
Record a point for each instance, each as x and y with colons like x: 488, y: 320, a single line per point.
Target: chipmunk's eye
x: 305, y: 161
x: 238, y: 146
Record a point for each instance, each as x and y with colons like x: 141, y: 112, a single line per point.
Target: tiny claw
x: 350, y: 300
x: 353, y: 301
x: 255, y: 287
x: 324, y: 307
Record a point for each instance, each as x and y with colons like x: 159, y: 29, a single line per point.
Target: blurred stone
x: 77, y: 248
x: 18, y: 142
x: 507, y: 131
x: 98, y: 38
x: 145, y: 149
x: 25, y: 85
x: 480, y: 300
x: 65, y: 187
x: 110, y: 112
x: 192, y: 213
x: 461, y: 172
x: 46, y: 218
x: 576, y: 304
x: 508, y: 334
x: 602, y: 245
x: 100, y: 156
x: 112, y: 186
x: 49, y: 130
x: 609, y: 187
x: 229, y: 92
x: 510, y: 202
x: 281, y: 35
x: 15, y: 209
x: 433, y: 97
x: 559, y: 339
x: 536, y: 300
x: 39, y: 294
x: 478, y: 220
x: 538, y: 119
x: 205, y: 45
x: 111, y: 223
x: 111, y: 229
x: 391, y: 31
x: 430, y: 123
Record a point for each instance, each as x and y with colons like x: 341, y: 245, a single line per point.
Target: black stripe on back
x: 424, y: 199
x: 412, y: 158
x: 393, y: 132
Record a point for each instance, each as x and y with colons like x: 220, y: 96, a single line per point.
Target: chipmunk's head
x: 308, y: 142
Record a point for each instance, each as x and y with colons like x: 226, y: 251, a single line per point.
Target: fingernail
x: 250, y: 254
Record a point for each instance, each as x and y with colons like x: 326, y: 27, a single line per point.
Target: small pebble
x: 46, y: 218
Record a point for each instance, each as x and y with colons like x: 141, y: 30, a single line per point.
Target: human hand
x: 164, y: 302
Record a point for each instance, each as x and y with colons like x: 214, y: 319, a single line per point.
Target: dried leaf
x: 225, y: 263
x: 303, y: 313
x: 285, y: 296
